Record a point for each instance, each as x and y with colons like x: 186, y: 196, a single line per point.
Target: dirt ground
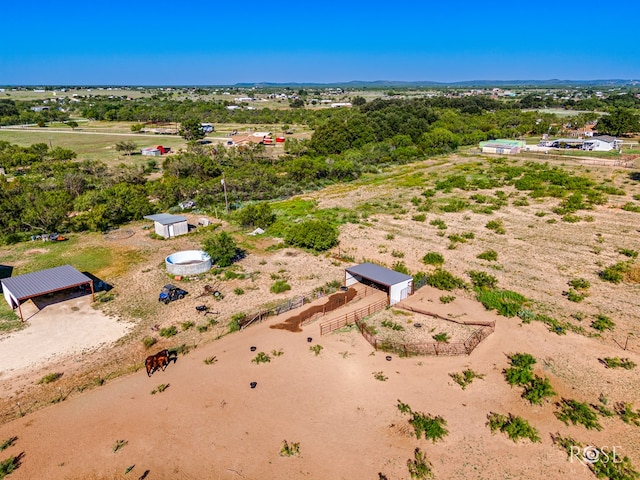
x: 209, y: 422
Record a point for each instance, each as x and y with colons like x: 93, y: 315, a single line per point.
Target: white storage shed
x: 167, y: 225
x: 397, y: 285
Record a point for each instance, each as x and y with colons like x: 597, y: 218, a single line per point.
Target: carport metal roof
x: 378, y: 274
x: 42, y: 282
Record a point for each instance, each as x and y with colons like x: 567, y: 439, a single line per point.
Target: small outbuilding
x: 167, y: 225
x: 34, y: 284
x: 397, y: 285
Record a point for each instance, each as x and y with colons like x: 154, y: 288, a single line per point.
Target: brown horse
x: 159, y: 360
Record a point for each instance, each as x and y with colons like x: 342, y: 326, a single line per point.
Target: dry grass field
x: 101, y: 419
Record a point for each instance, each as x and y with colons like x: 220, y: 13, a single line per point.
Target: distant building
x: 602, y: 143
x: 502, y: 147
x: 340, y: 104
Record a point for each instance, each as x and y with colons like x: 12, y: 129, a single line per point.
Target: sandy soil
x: 209, y: 423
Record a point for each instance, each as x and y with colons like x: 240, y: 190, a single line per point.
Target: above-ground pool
x: 188, y: 262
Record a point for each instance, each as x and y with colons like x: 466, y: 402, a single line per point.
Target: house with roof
x: 502, y: 146
x: 167, y: 225
x: 602, y: 143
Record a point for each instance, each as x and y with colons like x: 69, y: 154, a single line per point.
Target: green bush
x: 49, y: 377
x: 419, y: 468
x: 315, y: 235
x: 168, y: 332
x: 521, y: 370
x: 238, y: 291
x: 419, y: 217
x: 392, y: 325
x: 577, y: 413
x: 447, y: 298
x: 465, y: 378
x: 280, y: 286
x: 496, y: 226
x: 187, y: 325
x: 222, y: 248
x: 441, y: 337
x: 433, y: 258
x: 482, y: 279
x: 515, y: 427
x: 628, y: 252
x: 616, y: 362
x: 574, y: 296
x: 149, y: 342
x: 614, y: 273
x: 443, y: 280
x: 261, y: 357
x: 489, y: 255
x: 433, y: 427
x: 256, y: 215
x: 602, y: 323
x: 579, y: 283
x: 438, y: 223
x: 8, y: 465
x: 399, y: 266
x: 537, y: 390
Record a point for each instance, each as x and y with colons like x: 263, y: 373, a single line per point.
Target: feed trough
x: 188, y: 262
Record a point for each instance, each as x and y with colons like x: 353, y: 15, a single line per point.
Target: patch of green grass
x: 392, y: 325
x: 627, y: 413
x: 441, y: 337
x: 160, y: 388
x: 489, y: 255
x: 497, y: 226
x: 447, y: 298
x: 506, y: 302
x: 579, y: 283
x: 575, y: 296
x: 481, y: 279
x: 627, y: 252
x: 615, y: 273
x: 187, y: 325
x: 168, y: 332
x: 289, y: 449
x: 279, y: 286
x: 515, y: 427
x: 438, y: 223
x: 466, y: 377
x: 149, y: 342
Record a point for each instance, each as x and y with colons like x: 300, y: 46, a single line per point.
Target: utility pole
x: 226, y: 201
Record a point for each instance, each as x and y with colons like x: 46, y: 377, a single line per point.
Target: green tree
x: 316, y: 235
x: 439, y: 140
x: 72, y: 124
x: 126, y: 146
x: 620, y: 121
x: 191, y: 130
x: 222, y: 248
x: 258, y: 215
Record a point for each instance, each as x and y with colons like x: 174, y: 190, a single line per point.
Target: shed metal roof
x: 379, y: 274
x: 166, y: 218
x: 44, y: 281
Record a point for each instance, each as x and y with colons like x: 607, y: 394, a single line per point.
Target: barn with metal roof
x: 397, y: 285
x: 34, y: 284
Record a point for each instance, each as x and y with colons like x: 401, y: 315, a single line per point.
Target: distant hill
x: 466, y: 83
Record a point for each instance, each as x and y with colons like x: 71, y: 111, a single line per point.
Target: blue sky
x: 221, y: 43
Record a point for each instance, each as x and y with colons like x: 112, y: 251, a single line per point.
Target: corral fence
x: 351, y: 317
x: 427, y: 348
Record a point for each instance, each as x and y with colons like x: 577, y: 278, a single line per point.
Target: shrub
x: 496, y: 226
x: 315, y: 235
x: 537, y: 390
x: 397, y: 254
x: 614, y: 273
x: 168, y: 331
x: 465, y: 378
x: 482, y: 279
x: 316, y: 349
x: 627, y: 414
x: 149, y: 342
x: 8, y: 443
x: 433, y: 258
x: 419, y: 468
x: 160, y: 388
x: 441, y: 337
x: 577, y: 413
x: 616, y: 362
x: 628, y: 253
x: 261, y: 357
x: 380, y: 376
x: 222, y: 249
x: 49, y: 377
x: 210, y: 360
x: 579, y: 283
x: 8, y: 465
x: 256, y: 215
x: 280, y: 286
x: 443, y: 280
x: 119, y: 445
x: 187, y: 325
x: 574, y: 296
x: 202, y: 328
x: 515, y: 427
x: 236, y: 321
x: 433, y: 427
x: 602, y: 323
x: 521, y: 370
x: 289, y: 449
x: 489, y: 255
x: 419, y: 217
x: 400, y: 267
x: 447, y: 298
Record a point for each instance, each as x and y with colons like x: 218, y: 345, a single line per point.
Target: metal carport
x: 397, y: 285
x: 34, y: 284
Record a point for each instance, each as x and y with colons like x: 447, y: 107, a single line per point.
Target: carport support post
x: 93, y: 293
x: 20, y: 310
